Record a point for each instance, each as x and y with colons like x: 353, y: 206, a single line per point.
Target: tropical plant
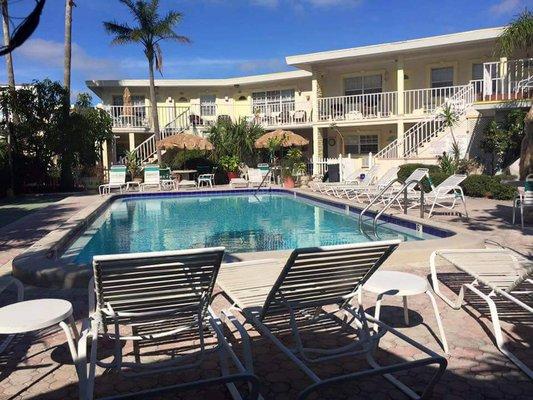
x: 235, y: 139
x: 451, y: 119
x: 130, y: 160
x: 292, y: 163
x: 230, y: 163
x: 502, y: 140
x: 517, y: 39
x: 150, y: 31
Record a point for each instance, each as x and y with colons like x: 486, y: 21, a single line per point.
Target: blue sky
x: 240, y: 37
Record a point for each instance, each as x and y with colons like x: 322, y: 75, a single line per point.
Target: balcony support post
x: 400, y: 76
x: 105, y: 157
x: 131, y: 140
x: 400, y: 129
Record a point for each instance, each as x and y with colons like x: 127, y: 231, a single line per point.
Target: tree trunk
x: 68, y: 45
x: 66, y: 160
x: 153, y: 103
x: 11, y: 83
x: 526, y: 150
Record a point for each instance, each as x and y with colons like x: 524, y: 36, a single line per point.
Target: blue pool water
x: 241, y: 223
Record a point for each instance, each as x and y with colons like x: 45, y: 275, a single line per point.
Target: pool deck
x: 37, y: 366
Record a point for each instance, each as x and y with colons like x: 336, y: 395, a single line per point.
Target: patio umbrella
x: 185, y: 141
x: 127, y: 106
x: 288, y: 139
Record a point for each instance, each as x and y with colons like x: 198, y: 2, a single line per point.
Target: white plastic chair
x: 151, y: 178
x: 117, y: 180
x: 523, y: 200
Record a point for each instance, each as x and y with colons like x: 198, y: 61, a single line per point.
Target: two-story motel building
x: 380, y: 101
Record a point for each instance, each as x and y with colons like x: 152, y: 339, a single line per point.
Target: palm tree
x: 517, y: 38
x: 68, y: 44
x: 150, y: 30
x: 11, y: 84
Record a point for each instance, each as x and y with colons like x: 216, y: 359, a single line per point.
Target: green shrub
x: 487, y: 186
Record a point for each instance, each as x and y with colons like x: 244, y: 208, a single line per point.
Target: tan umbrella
x: 288, y: 139
x: 127, y: 105
x: 185, y: 141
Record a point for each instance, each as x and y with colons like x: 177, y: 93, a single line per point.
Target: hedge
x: 473, y: 185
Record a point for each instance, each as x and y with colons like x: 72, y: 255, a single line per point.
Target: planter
x: 288, y: 182
x: 232, y: 175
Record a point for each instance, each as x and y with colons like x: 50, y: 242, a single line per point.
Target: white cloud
x: 50, y: 53
x: 301, y: 4
x: 243, y: 65
x: 503, y: 7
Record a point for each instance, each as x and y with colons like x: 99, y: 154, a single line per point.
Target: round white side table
x: 32, y: 315
x: 393, y: 283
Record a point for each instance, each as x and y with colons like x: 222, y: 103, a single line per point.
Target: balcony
x: 292, y: 114
x: 357, y: 107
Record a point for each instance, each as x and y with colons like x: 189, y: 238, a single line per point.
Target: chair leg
x: 377, y: 310
x: 439, y: 321
x: 522, y: 215
x: 405, y: 311
x: 514, y: 212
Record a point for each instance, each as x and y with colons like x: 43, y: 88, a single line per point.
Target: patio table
x: 393, y: 283
x: 188, y: 172
x: 33, y: 315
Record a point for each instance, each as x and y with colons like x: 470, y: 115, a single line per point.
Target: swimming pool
x: 242, y: 222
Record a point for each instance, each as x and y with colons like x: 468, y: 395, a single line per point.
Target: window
x: 362, y: 84
x: 441, y: 77
x: 362, y: 144
x: 273, y: 101
x: 477, y: 71
x: 135, y: 100
x: 207, y: 105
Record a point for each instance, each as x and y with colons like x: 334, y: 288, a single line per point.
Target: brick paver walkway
x: 37, y: 366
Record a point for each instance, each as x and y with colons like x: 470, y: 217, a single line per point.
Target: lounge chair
x: 523, y: 200
x: 165, y: 179
x: 255, y: 177
x: 117, y: 180
x: 315, y: 285
x: 159, y: 298
x: 494, y: 273
x: 341, y: 190
x: 371, y: 186
x: 411, y: 182
x: 151, y: 178
x: 447, y: 190
x: 334, y: 188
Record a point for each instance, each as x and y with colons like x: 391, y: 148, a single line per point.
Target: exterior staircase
x: 430, y: 127
x: 147, y: 149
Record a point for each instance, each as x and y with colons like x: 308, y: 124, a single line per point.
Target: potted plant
x: 230, y: 164
x: 292, y: 167
x: 130, y: 160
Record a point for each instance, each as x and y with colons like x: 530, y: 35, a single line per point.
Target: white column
x: 131, y: 138
x: 105, y: 158
x: 400, y: 135
x: 400, y: 74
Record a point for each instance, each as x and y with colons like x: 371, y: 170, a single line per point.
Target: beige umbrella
x: 287, y: 138
x: 127, y: 105
x: 185, y: 141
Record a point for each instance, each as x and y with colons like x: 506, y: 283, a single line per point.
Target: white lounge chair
x: 149, y: 297
x: 151, y: 178
x: 374, y: 187
x: 335, y: 188
x: 523, y: 200
x: 316, y: 287
x: 410, y: 184
x: 447, y: 191
x: 255, y: 177
x: 494, y: 273
x: 117, y: 180
x: 186, y: 184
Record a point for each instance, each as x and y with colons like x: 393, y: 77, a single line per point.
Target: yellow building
x: 380, y: 103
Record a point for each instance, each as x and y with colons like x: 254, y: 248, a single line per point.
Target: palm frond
x: 116, y: 28
x: 517, y: 36
x: 158, y: 58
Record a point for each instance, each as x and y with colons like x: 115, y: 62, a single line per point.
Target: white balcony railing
x: 506, y: 80
x: 292, y: 113
x: 426, y: 101
x: 361, y: 106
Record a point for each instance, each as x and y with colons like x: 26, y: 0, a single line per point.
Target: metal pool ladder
x: 403, y: 189
x: 264, y: 179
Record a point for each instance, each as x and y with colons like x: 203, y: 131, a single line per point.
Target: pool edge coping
x: 41, y: 265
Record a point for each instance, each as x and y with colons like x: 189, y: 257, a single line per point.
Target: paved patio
x: 37, y: 366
